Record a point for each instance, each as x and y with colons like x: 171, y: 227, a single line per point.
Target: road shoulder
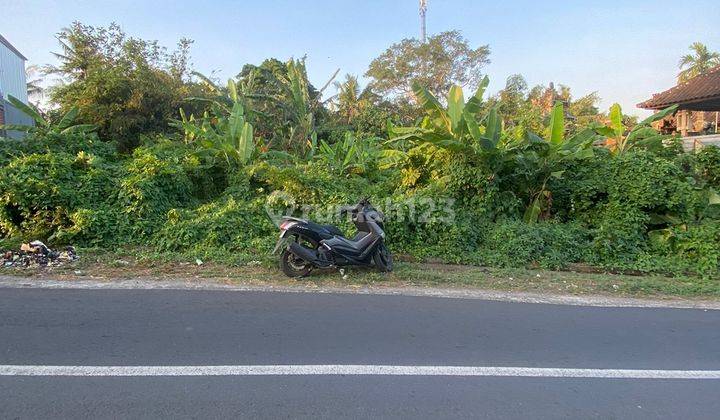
x: 222, y: 284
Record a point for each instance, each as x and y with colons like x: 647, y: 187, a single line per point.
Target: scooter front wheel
x: 383, y: 259
x: 293, y: 266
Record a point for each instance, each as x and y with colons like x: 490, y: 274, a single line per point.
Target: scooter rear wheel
x: 383, y: 259
x: 293, y: 266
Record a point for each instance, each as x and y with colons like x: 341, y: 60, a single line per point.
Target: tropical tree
x: 35, y: 90
x: 352, y: 155
x: 700, y: 61
x: 124, y: 85
x: 444, y: 60
x: 619, y: 139
x: 456, y: 130
x: 534, y: 160
x: 224, y: 130
x: 228, y: 137
x: 221, y: 97
x: 545, y: 158
x: 526, y: 109
x: 455, y: 127
x: 45, y: 125
x: 286, y: 102
x: 348, y: 101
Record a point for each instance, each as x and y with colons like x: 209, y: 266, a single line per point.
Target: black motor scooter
x: 307, y: 245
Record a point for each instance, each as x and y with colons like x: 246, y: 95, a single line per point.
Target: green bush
x: 222, y: 225
x: 152, y: 185
x: 699, y: 246
x: 621, y: 198
x: 708, y: 165
x: 93, y: 199
x: 548, y: 245
x: 427, y: 223
x: 692, y: 248
x: 101, y: 225
x: 51, y: 184
x: 38, y: 191
x: 70, y: 143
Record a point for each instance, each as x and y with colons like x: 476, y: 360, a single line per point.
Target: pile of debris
x: 37, y: 254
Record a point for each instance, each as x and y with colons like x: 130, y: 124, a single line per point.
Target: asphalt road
x: 171, y: 328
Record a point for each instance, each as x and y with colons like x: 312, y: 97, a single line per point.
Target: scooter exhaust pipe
x: 304, y: 253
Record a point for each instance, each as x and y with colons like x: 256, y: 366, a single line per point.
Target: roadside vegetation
x: 139, y: 151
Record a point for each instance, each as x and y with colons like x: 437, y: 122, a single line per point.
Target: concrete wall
x: 698, y: 142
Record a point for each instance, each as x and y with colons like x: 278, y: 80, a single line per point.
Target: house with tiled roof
x: 698, y: 116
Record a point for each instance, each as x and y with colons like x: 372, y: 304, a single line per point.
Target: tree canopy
x: 445, y: 59
x: 123, y: 85
x: 700, y: 61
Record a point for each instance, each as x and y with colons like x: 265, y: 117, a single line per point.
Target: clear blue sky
x: 625, y: 50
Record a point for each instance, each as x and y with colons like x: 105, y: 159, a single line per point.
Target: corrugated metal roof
x: 7, y: 43
x: 697, y: 89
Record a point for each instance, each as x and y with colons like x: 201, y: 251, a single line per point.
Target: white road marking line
x: 379, y: 370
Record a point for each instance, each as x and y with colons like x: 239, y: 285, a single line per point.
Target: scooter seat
x: 347, y: 246
x: 334, y: 230
x: 325, y: 231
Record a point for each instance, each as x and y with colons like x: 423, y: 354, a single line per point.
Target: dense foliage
x: 529, y: 177
x: 123, y: 85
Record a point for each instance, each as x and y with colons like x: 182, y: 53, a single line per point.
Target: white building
x: 12, y: 82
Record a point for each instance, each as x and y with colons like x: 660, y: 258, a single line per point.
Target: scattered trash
x: 253, y: 263
x: 121, y: 262
x: 198, y: 261
x: 37, y: 254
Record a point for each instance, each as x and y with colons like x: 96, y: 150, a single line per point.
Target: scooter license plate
x: 280, y: 241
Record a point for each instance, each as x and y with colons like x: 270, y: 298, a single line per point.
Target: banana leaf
x: 430, y: 104
x: 658, y: 116
x: 474, y: 104
x: 67, y: 119
x: 616, y: 120
x: 557, y: 124
x: 28, y: 110
x: 456, y: 104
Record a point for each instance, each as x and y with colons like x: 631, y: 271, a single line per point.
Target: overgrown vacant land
x: 142, y: 152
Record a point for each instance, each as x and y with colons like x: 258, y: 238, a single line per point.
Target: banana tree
x: 456, y: 127
x: 230, y: 138
x: 641, y: 135
x: 351, y: 155
x: 544, y: 158
x: 63, y: 125
x: 223, y: 99
x: 298, y: 106
x: 188, y: 126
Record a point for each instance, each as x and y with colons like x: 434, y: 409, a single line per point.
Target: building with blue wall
x: 12, y: 82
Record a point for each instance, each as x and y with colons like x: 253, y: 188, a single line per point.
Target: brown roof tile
x: 698, y: 89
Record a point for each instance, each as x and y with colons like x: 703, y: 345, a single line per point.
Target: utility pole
x: 423, y: 10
